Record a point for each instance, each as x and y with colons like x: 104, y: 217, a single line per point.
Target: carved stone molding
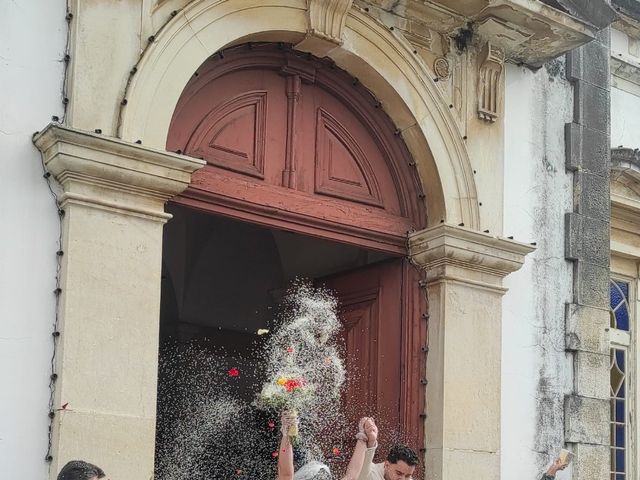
x: 326, y: 24
x: 457, y: 253
x: 109, y: 174
x: 441, y: 68
x: 490, y: 82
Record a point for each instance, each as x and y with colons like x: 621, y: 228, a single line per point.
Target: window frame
x: 620, y: 339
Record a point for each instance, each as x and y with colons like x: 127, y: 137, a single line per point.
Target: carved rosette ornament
x: 441, y: 68
x: 490, y: 82
x: 326, y: 23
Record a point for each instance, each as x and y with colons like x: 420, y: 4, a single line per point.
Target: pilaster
x: 113, y: 196
x: 464, y: 272
x: 587, y: 239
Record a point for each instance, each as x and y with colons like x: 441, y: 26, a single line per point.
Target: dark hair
x: 404, y: 453
x: 79, y: 470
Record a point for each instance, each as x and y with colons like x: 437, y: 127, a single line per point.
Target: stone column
x: 113, y: 196
x: 464, y: 272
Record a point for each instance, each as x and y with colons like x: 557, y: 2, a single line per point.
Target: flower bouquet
x: 285, y: 394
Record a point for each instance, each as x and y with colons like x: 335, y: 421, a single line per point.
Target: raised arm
x: 555, y: 467
x: 359, y: 453
x: 285, y: 452
x: 370, y: 430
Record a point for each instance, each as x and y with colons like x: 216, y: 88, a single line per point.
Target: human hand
x: 288, y: 419
x: 361, y: 435
x: 371, y: 431
x: 556, y: 466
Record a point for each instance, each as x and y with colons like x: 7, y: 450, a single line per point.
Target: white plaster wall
x: 625, y: 119
x: 537, y: 192
x: 32, y: 43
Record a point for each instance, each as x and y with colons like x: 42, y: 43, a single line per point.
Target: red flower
x: 290, y: 350
x: 336, y: 451
x: 292, y: 384
x: 234, y: 372
x: 271, y: 424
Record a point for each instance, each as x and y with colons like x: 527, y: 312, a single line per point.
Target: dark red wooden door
x: 381, y: 331
x: 293, y: 143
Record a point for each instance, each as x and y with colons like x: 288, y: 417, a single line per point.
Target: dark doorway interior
x: 222, y: 279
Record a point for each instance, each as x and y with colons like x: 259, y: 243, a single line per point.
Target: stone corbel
x: 110, y: 174
x: 460, y: 254
x: 326, y: 24
x: 490, y: 82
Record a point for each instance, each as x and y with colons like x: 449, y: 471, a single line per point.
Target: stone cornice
x: 458, y: 253
x: 625, y: 159
x: 108, y: 173
x: 528, y: 31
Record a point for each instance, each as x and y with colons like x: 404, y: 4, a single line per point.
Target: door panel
x: 376, y: 312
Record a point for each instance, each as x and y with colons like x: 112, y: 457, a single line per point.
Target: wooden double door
x: 294, y: 143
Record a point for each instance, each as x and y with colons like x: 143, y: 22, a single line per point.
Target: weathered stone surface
x: 587, y: 243
x: 591, y: 106
x: 586, y: 420
x: 591, y: 375
x: 586, y: 329
x: 591, y: 195
x: 591, y: 284
x: 586, y: 149
x: 589, y: 63
x: 596, y: 12
x: 591, y: 461
x: 586, y: 239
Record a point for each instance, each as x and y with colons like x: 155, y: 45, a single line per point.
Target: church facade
x: 463, y: 174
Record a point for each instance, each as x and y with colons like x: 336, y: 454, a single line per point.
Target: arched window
x: 620, y: 335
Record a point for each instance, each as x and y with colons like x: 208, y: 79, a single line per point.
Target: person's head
x: 400, y: 464
x: 313, y: 471
x: 79, y: 470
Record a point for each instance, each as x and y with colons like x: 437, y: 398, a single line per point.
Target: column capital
x: 111, y: 174
x: 452, y: 252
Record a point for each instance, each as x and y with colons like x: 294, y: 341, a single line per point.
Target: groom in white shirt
x: 400, y: 463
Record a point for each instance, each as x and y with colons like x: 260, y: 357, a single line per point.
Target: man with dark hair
x: 79, y: 470
x: 400, y: 463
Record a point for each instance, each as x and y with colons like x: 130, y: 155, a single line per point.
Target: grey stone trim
x: 587, y: 421
x: 630, y: 8
x: 586, y: 149
x: 588, y: 239
x: 625, y: 159
x: 587, y: 244
x: 595, y: 12
x: 587, y: 329
x: 588, y: 461
x: 589, y: 370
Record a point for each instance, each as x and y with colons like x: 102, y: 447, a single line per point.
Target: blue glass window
x: 619, y: 302
x: 618, y: 413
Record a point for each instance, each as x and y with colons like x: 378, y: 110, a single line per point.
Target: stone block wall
x: 587, y: 246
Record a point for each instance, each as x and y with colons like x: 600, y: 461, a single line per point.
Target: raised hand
x: 287, y: 421
x: 556, y: 466
x: 371, y: 431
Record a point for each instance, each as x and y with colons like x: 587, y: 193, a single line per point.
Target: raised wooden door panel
x: 384, y: 332
x: 233, y: 135
x: 290, y: 138
x: 235, y: 122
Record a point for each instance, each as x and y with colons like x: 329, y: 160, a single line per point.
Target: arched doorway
x: 294, y: 144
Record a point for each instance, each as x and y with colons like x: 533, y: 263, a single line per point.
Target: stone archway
x: 382, y: 61
x: 114, y: 192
